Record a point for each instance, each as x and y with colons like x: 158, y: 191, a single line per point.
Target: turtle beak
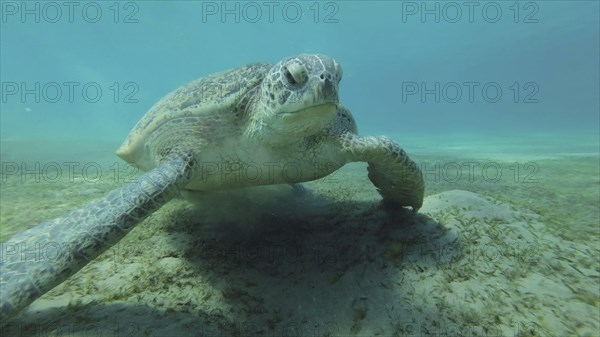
x: 319, y: 111
x: 328, y: 87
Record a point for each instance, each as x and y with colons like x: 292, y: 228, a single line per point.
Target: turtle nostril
x: 325, y: 76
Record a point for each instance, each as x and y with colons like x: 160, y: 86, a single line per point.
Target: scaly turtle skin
x: 254, y: 125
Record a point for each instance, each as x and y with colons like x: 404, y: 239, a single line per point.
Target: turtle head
x: 298, y: 97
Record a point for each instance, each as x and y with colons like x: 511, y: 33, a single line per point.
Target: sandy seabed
x: 509, y: 254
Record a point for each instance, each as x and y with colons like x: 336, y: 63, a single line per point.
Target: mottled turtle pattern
x: 283, y: 122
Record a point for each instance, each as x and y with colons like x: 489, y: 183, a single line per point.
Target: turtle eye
x: 288, y: 76
x: 339, y: 71
x: 295, y: 73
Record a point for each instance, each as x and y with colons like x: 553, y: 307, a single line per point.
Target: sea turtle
x: 259, y: 124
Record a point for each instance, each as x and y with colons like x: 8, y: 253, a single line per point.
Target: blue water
x: 545, y: 64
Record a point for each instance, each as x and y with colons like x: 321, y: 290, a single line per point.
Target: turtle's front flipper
x: 397, y: 178
x: 35, y: 261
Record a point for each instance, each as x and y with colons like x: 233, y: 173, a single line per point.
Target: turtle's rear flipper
x: 42, y: 257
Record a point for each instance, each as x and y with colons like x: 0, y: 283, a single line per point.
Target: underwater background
x: 497, y: 101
